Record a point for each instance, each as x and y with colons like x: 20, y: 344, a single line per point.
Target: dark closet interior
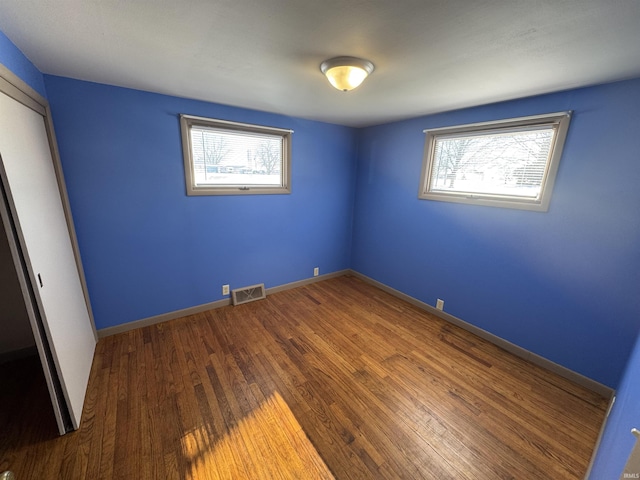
x: 24, y: 399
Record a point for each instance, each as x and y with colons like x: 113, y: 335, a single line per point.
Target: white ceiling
x: 430, y: 55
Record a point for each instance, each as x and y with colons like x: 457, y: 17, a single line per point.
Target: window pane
x: 222, y: 157
x: 511, y: 163
x: 236, y: 158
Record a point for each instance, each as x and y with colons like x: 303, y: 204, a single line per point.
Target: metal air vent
x: 248, y: 294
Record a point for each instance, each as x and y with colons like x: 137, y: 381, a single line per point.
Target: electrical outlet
x: 316, y: 272
x: 225, y: 289
x: 440, y: 304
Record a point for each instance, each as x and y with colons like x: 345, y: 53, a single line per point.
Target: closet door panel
x: 27, y: 161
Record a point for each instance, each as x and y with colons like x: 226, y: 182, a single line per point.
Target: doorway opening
x: 26, y: 360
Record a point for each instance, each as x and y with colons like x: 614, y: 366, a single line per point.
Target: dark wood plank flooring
x: 335, y: 378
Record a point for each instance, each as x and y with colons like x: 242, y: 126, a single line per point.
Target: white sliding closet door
x: 46, y: 245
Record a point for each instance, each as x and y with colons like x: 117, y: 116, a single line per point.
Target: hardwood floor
x: 335, y: 378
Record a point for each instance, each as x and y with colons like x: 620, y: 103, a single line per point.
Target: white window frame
x: 559, y: 122
x: 189, y: 121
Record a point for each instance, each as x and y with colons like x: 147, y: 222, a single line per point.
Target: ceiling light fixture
x: 346, y: 73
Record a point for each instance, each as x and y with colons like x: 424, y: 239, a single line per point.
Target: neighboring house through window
x: 230, y: 158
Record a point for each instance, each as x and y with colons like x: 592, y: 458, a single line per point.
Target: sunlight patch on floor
x: 267, y: 444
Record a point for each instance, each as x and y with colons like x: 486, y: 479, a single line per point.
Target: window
x: 508, y: 163
x: 229, y: 158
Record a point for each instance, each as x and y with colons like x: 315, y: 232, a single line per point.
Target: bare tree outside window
x: 212, y: 150
x: 268, y: 157
x: 505, y: 163
x: 450, y: 154
x: 498, y: 163
x: 223, y: 158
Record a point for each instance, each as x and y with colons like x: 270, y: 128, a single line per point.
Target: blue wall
x: 563, y: 284
x: 147, y: 247
x: 12, y: 58
x: 617, y: 441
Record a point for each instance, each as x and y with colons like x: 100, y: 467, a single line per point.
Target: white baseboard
x: 165, y: 317
x: 500, y: 342
x: 534, y: 358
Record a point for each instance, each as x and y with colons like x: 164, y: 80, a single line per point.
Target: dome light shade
x: 346, y: 73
